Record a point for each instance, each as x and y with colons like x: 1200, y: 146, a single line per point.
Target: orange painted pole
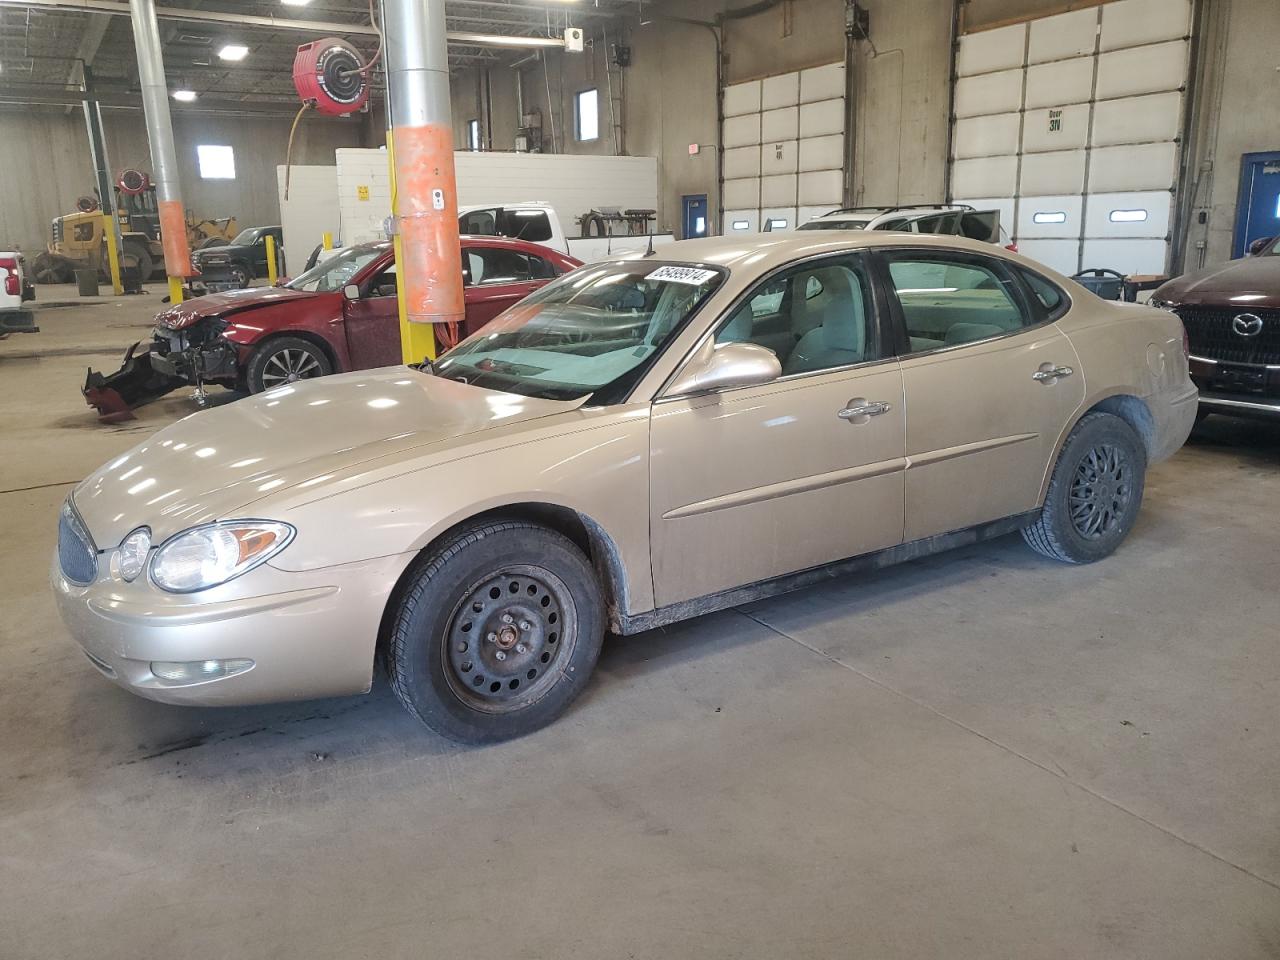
x: 164, y: 160
x: 426, y: 192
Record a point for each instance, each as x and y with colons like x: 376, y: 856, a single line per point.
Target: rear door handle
x: 860, y: 410
x: 1048, y: 373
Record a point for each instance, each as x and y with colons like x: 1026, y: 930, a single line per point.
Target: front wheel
x: 1095, y: 492
x: 285, y: 360
x: 240, y: 275
x: 496, y: 632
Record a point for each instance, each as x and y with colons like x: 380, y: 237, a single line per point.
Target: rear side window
x: 981, y: 225
x: 490, y: 265
x: 947, y: 301
x: 540, y: 269
x: 1050, y: 297
x: 532, y: 225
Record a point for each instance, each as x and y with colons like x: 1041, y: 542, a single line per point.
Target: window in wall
x: 217, y: 162
x: 586, y: 114
x: 473, y: 134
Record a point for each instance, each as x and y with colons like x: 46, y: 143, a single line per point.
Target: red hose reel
x: 330, y: 76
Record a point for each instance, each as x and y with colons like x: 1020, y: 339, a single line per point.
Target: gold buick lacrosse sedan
x: 639, y: 442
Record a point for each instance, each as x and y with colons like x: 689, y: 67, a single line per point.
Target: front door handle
x: 860, y: 409
x: 1048, y: 373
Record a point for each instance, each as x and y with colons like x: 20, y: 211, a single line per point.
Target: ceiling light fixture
x: 502, y: 40
x: 184, y: 96
x: 233, y: 51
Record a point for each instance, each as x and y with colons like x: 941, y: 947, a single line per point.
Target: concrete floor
x: 981, y: 755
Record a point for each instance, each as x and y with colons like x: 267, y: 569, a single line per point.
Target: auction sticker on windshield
x: 693, y: 276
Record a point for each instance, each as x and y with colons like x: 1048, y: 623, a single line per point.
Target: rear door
x: 990, y: 383
x: 494, y: 278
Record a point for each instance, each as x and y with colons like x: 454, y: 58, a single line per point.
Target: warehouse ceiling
x: 42, y: 46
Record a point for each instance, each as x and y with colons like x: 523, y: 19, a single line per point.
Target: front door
x: 757, y: 482
x: 1258, y: 207
x: 695, y: 216
x: 990, y: 384
x: 372, y: 323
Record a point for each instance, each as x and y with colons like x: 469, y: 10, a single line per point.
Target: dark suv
x: 240, y: 261
x: 1232, y: 317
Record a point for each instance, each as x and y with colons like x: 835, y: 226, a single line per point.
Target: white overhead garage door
x: 783, y: 149
x: 1071, y: 125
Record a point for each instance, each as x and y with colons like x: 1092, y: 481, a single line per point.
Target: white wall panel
x: 782, y: 90
x: 742, y: 98
x: 779, y: 191
x: 782, y: 124
x: 1127, y: 256
x: 821, y: 187
x: 742, y: 131
x: 1127, y: 23
x: 741, y: 162
x: 1141, y: 166
x: 988, y: 136
x: 991, y: 50
x: 823, y: 118
x: 822, y: 83
x: 1049, y: 174
x: 989, y: 93
x: 309, y: 212
x: 1059, y: 83
x: 986, y: 177
x: 1065, y: 35
x: 780, y: 157
x: 742, y: 194
x: 1060, y: 255
x: 1137, y: 119
x: 1108, y: 214
x: 822, y: 153
x: 1139, y: 70
x: 741, y: 221
x: 1049, y: 217
x: 1042, y: 130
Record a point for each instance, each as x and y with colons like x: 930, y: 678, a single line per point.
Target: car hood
x: 212, y: 465
x: 1253, y: 281
x: 184, y: 314
x: 221, y: 252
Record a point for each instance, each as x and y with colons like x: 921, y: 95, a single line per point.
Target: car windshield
x: 245, y: 238
x: 336, y: 272
x: 594, y: 328
x: 825, y: 224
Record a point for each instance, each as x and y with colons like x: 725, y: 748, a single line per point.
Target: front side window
x: 951, y: 300
x: 385, y: 284
x: 592, y: 330
x: 336, y: 272
x: 814, y: 317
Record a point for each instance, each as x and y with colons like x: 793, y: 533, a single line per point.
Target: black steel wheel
x: 1094, y: 494
x: 285, y: 360
x: 496, y: 631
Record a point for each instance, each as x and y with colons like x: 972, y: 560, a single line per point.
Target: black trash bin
x: 87, y: 282
x: 1108, y: 284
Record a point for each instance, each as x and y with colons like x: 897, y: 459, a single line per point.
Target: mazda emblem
x: 1247, y: 324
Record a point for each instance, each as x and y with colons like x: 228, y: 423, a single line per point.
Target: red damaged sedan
x: 341, y: 315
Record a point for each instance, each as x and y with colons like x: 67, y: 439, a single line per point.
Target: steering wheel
x: 1099, y: 272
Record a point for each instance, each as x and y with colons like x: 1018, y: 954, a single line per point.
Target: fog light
x: 194, y: 671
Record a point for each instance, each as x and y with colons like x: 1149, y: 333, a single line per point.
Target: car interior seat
x: 837, y: 319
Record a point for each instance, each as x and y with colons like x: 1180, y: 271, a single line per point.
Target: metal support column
x: 425, y: 193
x: 164, y: 160
x: 102, y: 176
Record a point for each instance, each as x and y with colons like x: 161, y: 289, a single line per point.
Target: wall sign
x: 362, y: 192
x: 1055, y: 121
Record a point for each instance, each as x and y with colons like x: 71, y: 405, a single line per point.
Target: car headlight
x: 131, y: 556
x: 214, y: 553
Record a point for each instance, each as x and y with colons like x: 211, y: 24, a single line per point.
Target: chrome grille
x: 1211, y: 336
x: 77, y: 555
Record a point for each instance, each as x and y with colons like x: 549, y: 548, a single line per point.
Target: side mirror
x: 351, y: 291
x: 1259, y: 245
x: 720, y: 366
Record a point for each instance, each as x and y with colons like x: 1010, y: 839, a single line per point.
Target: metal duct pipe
x: 425, y: 199
x: 164, y: 160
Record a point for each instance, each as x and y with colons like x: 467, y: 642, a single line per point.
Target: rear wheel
x: 1095, y: 492
x: 51, y: 268
x: 497, y: 632
x: 285, y: 360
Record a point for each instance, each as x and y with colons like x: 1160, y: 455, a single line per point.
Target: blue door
x: 695, y: 216
x: 1258, y: 209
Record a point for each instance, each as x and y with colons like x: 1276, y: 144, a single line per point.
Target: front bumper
x: 1237, y: 389
x: 309, y: 634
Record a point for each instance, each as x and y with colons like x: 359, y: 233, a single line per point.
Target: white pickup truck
x: 539, y: 223
x: 15, y: 290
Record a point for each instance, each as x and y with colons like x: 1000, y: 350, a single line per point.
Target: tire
x: 466, y: 672
x: 141, y: 256
x: 1100, y: 475
x: 283, y: 360
x: 48, y: 268
x: 240, y: 274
